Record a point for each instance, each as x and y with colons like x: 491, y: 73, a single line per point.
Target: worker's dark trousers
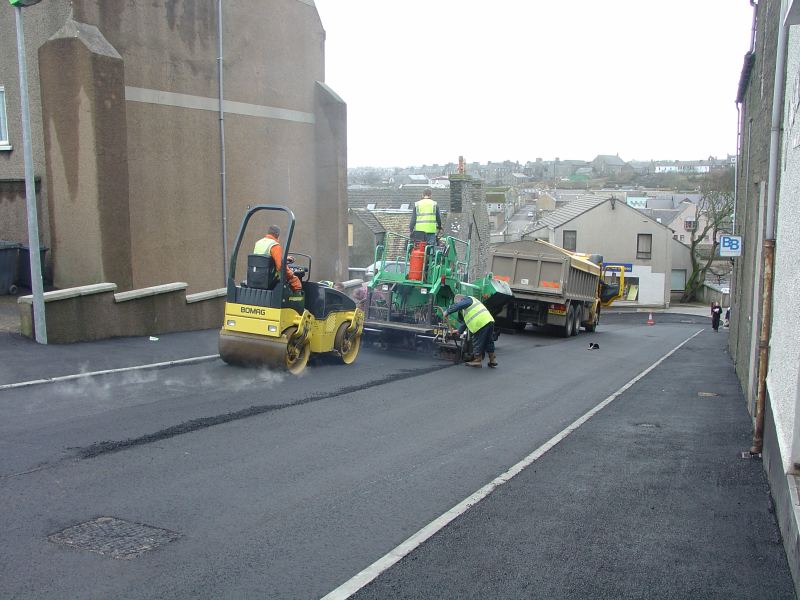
x: 483, y: 340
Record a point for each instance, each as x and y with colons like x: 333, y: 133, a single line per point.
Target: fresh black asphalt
x: 649, y: 499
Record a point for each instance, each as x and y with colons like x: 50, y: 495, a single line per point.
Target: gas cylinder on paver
x: 417, y: 262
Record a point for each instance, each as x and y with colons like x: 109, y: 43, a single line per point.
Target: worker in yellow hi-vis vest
x: 270, y: 245
x: 426, y: 217
x: 479, y: 321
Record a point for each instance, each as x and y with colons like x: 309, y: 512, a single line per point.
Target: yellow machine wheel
x: 347, y: 345
x: 296, y: 353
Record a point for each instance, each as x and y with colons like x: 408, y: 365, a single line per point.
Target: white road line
x: 161, y: 365
x: 351, y: 586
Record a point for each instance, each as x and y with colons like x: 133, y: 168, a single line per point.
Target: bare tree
x: 714, y: 212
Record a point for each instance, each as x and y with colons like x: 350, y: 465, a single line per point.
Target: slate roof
x: 611, y: 160
x: 394, y: 198
x: 569, y: 211
x: 564, y: 214
x: 667, y: 215
x: 369, y: 220
x: 672, y: 200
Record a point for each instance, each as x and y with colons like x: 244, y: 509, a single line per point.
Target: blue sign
x: 730, y: 245
x: 627, y: 267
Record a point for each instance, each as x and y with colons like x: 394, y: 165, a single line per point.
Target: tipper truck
x: 553, y: 287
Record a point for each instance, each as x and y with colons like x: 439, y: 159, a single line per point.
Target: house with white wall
x: 623, y: 236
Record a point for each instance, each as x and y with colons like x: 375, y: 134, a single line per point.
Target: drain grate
x: 114, y: 537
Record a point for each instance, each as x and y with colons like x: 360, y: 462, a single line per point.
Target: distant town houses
x: 649, y: 231
x: 556, y: 171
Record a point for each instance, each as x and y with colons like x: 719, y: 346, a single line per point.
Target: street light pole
x: 37, y: 288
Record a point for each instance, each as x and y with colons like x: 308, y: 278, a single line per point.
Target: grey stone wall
x: 751, y: 182
x: 469, y: 220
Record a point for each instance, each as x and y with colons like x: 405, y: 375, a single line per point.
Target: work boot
x: 492, y: 360
x: 475, y: 362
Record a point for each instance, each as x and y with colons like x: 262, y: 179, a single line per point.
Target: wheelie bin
x: 9, y: 252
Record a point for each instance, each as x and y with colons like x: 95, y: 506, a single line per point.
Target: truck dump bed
x: 538, y: 270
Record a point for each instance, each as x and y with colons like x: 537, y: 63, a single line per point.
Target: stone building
x: 767, y: 213
x: 126, y: 135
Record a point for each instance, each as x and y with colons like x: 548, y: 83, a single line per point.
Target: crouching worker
x: 474, y: 316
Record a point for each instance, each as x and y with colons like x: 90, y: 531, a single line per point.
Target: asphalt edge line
x: 61, y: 378
x: 358, y: 581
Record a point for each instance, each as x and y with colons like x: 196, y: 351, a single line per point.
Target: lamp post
x: 37, y: 288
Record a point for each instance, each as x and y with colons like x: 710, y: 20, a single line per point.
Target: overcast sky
x: 428, y: 80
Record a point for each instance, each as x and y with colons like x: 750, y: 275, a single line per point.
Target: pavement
x: 651, y: 493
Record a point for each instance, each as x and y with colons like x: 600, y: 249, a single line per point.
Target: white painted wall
x: 651, y: 285
x: 783, y: 379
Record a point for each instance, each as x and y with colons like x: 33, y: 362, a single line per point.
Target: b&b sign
x: 730, y: 245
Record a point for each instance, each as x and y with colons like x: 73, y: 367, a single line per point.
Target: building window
x: 690, y: 225
x: 349, y: 235
x: 570, y: 240
x: 4, y: 145
x: 644, y: 246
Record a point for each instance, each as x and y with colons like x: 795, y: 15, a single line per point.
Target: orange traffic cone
x: 650, y: 319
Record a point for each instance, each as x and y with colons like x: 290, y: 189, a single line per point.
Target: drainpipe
x: 769, y: 236
x: 222, y: 176
x: 736, y: 166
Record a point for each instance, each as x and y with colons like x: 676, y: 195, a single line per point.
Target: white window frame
x: 5, y: 143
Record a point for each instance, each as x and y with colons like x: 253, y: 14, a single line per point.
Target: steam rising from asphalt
x: 211, y: 378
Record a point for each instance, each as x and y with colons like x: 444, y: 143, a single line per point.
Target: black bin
x: 24, y: 265
x: 9, y: 252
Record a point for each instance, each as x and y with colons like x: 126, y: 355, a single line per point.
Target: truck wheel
x: 595, y: 322
x: 576, y: 324
x: 566, y: 331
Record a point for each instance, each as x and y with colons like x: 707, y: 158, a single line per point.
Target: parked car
x: 392, y: 266
x: 530, y: 214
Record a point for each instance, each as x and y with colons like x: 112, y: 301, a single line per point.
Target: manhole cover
x: 114, y: 537
x: 707, y: 394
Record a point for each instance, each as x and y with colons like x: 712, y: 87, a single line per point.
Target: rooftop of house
x: 665, y: 216
x: 610, y: 159
x: 564, y: 214
x: 670, y: 201
x: 389, y: 198
x: 369, y: 219
x: 569, y: 211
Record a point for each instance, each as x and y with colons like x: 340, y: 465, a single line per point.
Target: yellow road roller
x: 269, y: 324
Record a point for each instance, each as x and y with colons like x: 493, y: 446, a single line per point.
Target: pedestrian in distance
x: 476, y: 318
x: 728, y: 317
x: 716, y: 314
